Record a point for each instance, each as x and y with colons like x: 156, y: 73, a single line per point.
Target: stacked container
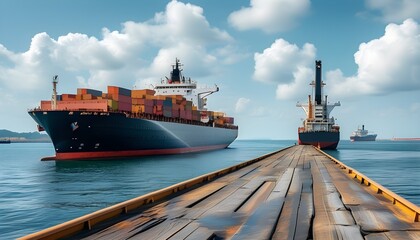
x: 137, y: 102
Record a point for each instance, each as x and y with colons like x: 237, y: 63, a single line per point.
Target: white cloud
x: 131, y: 56
x: 286, y: 65
x: 269, y: 15
x: 247, y: 108
x: 395, y: 10
x: 242, y: 104
x: 116, y: 58
x: 385, y: 65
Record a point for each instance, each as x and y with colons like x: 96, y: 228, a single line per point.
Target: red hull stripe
x: 133, y: 153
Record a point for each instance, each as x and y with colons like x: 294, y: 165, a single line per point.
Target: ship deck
x: 294, y: 193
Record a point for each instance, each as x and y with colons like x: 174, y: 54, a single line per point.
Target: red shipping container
x: 148, y: 109
x: 46, y: 105
x: 96, y: 105
x: 123, y: 106
x: 68, y: 97
x: 120, y: 98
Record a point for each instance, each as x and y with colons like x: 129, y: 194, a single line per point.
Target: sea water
x: 35, y: 195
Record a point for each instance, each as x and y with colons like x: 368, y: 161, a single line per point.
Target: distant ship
x: 4, y: 141
x: 362, y: 135
x: 318, y: 128
x: 172, y: 118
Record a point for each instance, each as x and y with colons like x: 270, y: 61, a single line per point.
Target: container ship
x: 170, y: 118
x: 362, y: 135
x: 318, y: 128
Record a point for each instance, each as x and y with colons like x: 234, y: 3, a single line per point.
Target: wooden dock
x: 294, y: 193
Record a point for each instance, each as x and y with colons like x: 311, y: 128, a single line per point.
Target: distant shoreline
x: 31, y: 141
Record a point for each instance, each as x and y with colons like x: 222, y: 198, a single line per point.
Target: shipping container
x: 142, y: 93
x: 124, y: 106
x: 167, y: 113
x: 97, y: 105
x: 68, y: 97
x: 119, y: 91
x: 112, y: 104
x: 93, y: 92
x: 137, y: 108
x: 120, y: 98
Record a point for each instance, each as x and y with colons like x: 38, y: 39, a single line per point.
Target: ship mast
x: 54, y: 95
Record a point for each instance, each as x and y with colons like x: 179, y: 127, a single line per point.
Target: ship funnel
x: 176, y: 72
x: 318, y: 82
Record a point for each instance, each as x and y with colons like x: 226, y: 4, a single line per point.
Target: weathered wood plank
x: 332, y: 220
x: 406, y: 235
x: 369, y: 213
x: 306, y: 207
x: 281, y: 197
x: 286, y: 224
x: 261, y: 222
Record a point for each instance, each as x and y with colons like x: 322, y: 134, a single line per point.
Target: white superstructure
x: 318, y: 111
x: 177, y: 84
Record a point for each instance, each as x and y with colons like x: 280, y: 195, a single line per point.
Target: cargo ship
x: 318, y: 128
x: 169, y: 118
x: 4, y: 140
x: 362, y: 135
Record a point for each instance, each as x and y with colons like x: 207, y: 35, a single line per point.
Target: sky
x: 261, y: 54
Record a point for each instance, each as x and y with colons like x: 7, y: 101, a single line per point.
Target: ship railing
x: 332, y: 130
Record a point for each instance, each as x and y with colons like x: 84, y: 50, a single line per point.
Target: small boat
x: 362, y: 135
x: 5, y: 140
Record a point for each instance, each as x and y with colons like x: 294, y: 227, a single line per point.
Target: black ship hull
x: 322, y: 140
x: 87, y: 135
x: 367, y: 138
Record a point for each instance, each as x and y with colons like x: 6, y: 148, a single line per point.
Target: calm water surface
x: 35, y: 195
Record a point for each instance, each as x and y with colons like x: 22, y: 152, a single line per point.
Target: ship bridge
x: 177, y: 84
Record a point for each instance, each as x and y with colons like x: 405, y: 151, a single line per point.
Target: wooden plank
x: 261, y: 222
x: 406, y: 235
x: 377, y: 219
x: 367, y: 210
x: 279, y: 198
x: 163, y: 230
x: 286, y: 224
x: 306, y: 207
x: 259, y: 196
x: 332, y: 220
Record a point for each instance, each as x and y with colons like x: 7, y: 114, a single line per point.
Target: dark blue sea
x: 35, y: 195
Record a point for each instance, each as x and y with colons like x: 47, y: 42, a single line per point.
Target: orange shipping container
x: 137, y: 108
x: 68, y: 97
x: 142, y: 93
x: 46, y: 105
x: 119, y: 91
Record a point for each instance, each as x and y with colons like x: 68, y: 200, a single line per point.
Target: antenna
x: 54, y: 96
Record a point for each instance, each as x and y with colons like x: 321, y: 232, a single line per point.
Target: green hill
x: 24, y: 137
